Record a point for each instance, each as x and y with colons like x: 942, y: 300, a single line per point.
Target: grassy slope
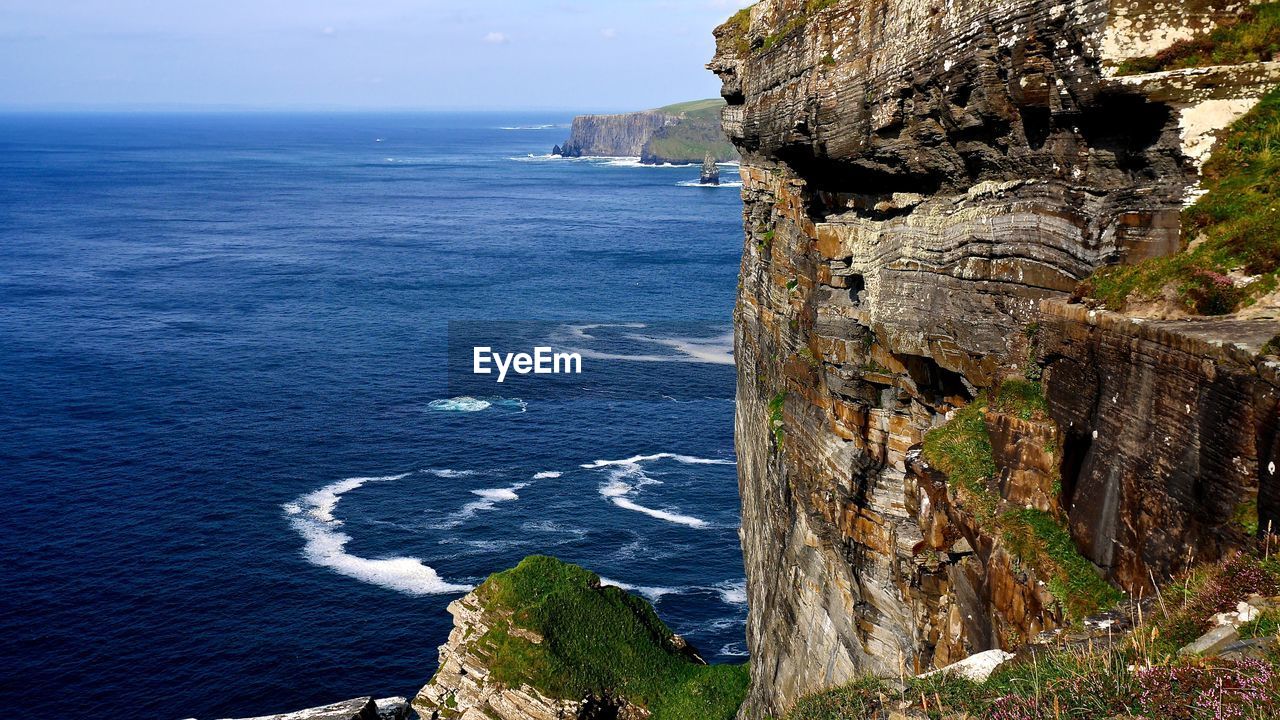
x: 1141, y: 676
x: 1236, y: 224
x: 697, y: 134
x: 599, y: 641
x: 695, y: 106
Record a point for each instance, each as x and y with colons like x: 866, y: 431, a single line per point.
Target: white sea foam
x: 627, y: 476
x: 654, y: 594
x: 721, y: 184
x: 547, y: 475
x: 733, y: 592
x: 449, y: 473
x: 464, y: 403
x: 549, y: 526
x: 637, y: 459
x: 547, y: 126
x: 489, y: 498
x: 716, y: 350
x: 734, y: 649
x: 312, y: 517
x: 670, y: 517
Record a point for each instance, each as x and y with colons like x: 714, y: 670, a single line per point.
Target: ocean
x: 243, y: 474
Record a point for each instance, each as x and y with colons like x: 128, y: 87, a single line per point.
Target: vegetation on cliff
x: 598, y: 641
x: 1252, y: 36
x: 688, y: 141
x: 962, y: 450
x: 1140, y: 675
x: 739, y: 26
x: 1231, y: 234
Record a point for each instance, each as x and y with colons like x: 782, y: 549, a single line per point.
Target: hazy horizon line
x: 212, y: 108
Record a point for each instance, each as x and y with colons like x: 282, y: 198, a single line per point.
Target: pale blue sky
x: 352, y: 54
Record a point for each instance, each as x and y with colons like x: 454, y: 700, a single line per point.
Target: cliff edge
x: 939, y: 452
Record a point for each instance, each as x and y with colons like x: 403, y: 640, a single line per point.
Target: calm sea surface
x: 236, y: 478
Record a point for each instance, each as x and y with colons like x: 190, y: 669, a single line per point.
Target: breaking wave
x: 626, y: 477
x: 311, y: 516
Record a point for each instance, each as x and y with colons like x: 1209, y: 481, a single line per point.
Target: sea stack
x: 710, y: 171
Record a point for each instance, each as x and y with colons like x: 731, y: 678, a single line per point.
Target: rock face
x: 710, y: 171
x: 924, y: 187
x: 461, y: 687
x: 622, y: 135
x: 676, y: 134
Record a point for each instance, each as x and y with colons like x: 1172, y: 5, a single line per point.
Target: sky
x: 357, y: 54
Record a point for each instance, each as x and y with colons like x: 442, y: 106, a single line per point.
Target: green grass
x: 688, y: 141
x: 709, y: 106
x: 1252, y: 37
x: 740, y: 24
x: 598, y: 641
x: 1038, y: 540
x: 859, y: 699
x: 1238, y: 219
x: 962, y: 450
x: 1023, y: 398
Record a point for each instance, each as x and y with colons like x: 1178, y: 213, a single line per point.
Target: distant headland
x: 683, y: 133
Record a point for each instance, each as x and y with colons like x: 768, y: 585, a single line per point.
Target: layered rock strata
x: 621, y: 135
x: 924, y: 187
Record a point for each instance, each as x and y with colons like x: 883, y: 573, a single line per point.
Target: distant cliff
x: 681, y: 133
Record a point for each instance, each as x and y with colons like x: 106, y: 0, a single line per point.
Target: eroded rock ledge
x: 925, y: 185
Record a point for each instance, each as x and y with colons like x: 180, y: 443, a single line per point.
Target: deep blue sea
x: 237, y: 477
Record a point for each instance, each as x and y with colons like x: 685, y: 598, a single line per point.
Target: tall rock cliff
x: 679, y: 134
x: 938, y: 452
x: 621, y: 135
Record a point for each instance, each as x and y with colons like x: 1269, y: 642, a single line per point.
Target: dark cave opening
x: 857, y: 284
x: 1075, y: 448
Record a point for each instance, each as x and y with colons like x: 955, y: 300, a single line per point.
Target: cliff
x: 545, y: 640
x: 679, y: 134
x: 939, y: 453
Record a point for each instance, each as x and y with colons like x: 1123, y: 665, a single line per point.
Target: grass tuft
x: 1021, y: 398
x: 962, y: 450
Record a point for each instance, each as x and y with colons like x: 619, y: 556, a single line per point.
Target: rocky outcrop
x: 547, y: 641
x: 462, y: 688
x: 710, y: 171
x: 676, y: 134
x: 924, y: 188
